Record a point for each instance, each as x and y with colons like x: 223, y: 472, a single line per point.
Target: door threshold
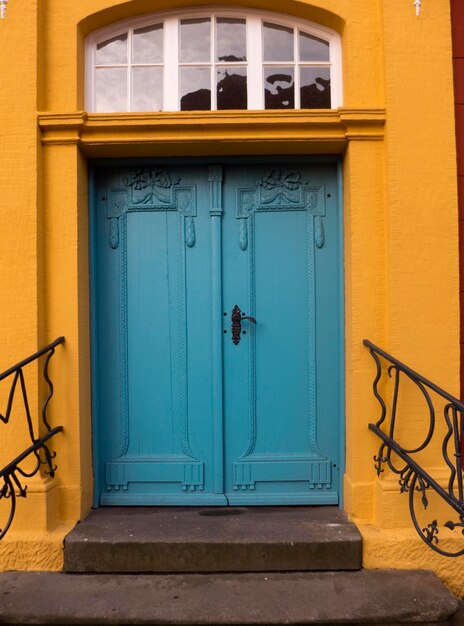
x: 253, y: 499
x: 187, y: 499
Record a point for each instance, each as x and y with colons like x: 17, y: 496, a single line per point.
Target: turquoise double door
x: 217, y: 333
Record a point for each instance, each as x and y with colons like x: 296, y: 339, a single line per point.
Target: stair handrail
x: 413, y: 478
x: 12, y: 472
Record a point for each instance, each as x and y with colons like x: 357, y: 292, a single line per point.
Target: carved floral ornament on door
x: 3, y: 5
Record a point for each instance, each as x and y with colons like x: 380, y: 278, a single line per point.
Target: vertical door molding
x: 215, y: 181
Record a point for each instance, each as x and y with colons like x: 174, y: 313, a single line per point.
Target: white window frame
x: 254, y: 64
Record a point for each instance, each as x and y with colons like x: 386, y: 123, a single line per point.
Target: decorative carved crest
x: 151, y: 189
x: 153, y: 180
x: 281, y: 188
x: 275, y: 179
x: 281, y: 191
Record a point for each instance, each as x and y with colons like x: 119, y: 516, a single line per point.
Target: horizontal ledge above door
x: 316, y: 131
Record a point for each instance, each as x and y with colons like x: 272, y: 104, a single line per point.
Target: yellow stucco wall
x: 395, y: 135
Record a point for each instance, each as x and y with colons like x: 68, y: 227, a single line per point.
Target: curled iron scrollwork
x: 404, y: 461
x: 38, y: 451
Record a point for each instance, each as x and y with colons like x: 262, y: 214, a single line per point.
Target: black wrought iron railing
x: 405, y: 461
x: 14, y: 472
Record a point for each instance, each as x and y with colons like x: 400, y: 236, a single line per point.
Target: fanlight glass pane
x: 195, y: 40
x: 110, y: 89
x: 231, y: 40
x: 147, y: 89
x: 214, y: 60
x: 113, y: 51
x: 147, y: 44
x: 279, y: 88
x: 315, y: 88
x: 313, y: 48
x: 278, y: 43
x: 195, y: 89
x: 231, y: 88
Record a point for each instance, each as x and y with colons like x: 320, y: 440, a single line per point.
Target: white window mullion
x: 129, y: 70
x: 171, y: 86
x: 213, y: 64
x: 255, y: 73
x: 296, y: 65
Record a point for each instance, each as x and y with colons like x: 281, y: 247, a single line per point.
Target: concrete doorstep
x: 213, y: 539
x: 361, y: 597
x: 187, y: 565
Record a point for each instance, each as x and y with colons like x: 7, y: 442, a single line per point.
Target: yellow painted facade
x: 395, y: 134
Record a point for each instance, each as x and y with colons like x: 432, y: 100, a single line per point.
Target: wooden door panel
x: 186, y: 416
x: 154, y: 243
x: 274, y: 221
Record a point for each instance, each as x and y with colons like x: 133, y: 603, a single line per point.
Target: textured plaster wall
x: 400, y: 221
x: 18, y: 184
x: 420, y: 155
x: 402, y: 549
x: 457, y: 20
x: 421, y: 308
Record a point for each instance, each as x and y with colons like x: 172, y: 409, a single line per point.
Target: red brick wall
x: 457, y: 17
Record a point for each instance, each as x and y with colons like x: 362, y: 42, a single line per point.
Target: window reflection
x: 278, y: 43
x: 195, y: 89
x: 147, y: 44
x: 207, y: 65
x: 111, y: 89
x: 195, y: 41
x: 147, y: 89
x: 279, y: 89
x: 313, y: 49
x: 315, y: 88
x: 231, y: 88
x: 231, y: 40
x: 112, y: 51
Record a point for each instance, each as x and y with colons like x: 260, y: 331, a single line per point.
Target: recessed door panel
x: 190, y: 410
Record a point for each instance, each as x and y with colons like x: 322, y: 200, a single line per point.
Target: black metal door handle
x: 237, y: 318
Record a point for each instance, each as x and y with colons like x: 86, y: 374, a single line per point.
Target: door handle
x: 237, y: 319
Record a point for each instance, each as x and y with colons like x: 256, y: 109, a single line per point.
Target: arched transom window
x: 213, y: 60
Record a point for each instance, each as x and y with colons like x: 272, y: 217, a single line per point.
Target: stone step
x: 361, y: 597
x: 215, y: 539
